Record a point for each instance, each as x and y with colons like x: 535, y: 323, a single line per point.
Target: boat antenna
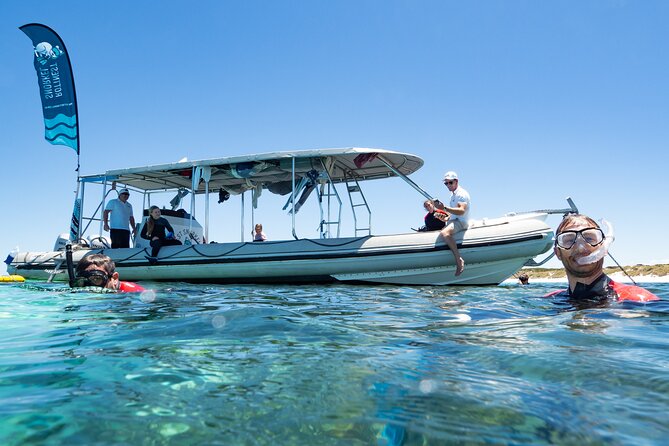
x: 622, y: 269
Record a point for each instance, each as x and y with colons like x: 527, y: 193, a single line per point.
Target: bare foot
x: 461, y: 267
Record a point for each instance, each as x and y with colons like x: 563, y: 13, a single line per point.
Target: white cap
x: 450, y: 175
x: 124, y: 191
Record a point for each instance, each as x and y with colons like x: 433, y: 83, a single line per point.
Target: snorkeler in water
x: 98, y: 270
x: 581, y: 245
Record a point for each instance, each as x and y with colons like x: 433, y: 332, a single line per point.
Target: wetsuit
x: 432, y: 223
x: 160, y: 229
x: 604, y: 287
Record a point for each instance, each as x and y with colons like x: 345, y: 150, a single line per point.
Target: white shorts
x: 458, y: 225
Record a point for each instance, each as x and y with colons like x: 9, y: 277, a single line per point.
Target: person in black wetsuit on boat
x: 432, y: 223
x: 581, y: 246
x: 160, y: 233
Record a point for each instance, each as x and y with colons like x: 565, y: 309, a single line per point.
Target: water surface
x: 330, y: 365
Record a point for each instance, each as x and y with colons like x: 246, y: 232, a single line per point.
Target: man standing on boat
x: 121, y: 217
x: 458, y: 219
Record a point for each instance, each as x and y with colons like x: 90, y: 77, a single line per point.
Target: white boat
x: 493, y: 249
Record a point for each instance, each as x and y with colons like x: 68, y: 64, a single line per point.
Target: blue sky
x: 528, y: 101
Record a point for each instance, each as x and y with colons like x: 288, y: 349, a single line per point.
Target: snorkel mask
x: 602, y: 248
x: 94, y: 278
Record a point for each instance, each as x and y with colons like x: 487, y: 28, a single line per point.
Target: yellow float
x: 12, y: 278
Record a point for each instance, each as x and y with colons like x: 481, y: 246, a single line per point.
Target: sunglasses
x: 449, y: 182
x: 91, y: 278
x: 592, y: 236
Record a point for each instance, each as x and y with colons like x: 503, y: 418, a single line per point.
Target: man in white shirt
x: 458, y: 219
x: 121, y: 217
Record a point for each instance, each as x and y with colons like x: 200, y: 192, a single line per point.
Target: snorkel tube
x: 603, y: 247
x: 70, y: 266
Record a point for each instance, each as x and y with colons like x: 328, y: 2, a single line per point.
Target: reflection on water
x: 330, y: 365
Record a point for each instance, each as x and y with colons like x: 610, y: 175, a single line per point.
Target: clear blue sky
x: 528, y: 101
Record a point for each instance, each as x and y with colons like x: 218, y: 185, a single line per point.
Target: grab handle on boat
x: 70, y: 266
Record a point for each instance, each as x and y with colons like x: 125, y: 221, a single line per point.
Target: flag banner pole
x: 59, y: 98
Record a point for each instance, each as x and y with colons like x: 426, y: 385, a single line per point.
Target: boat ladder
x: 328, y: 192
x: 358, y: 205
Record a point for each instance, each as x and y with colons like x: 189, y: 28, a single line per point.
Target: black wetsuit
x: 160, y: 228
x: 598, y: 289
x: 432, y: 223
x: 603, y: 288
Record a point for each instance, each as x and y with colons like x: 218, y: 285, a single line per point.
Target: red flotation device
x: 130, y: 287
x: 632, y: 292
x: 623, y: 292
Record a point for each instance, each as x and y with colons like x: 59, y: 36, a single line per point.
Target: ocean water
x: 330, y: 365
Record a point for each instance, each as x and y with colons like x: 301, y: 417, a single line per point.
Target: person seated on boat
x: 433, y: 223
x: 259, y: 236
x: 581, y: 245
x: 458, y: 217
x: 159, y: 232
x: 524, y: 279
x: 99, y: 270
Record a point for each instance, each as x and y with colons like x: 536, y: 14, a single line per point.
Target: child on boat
x: 259, y: 236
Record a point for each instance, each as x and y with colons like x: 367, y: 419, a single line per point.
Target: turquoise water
x: 330, y: 365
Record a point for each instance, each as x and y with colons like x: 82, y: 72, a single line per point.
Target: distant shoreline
x: 617, y: 277
x: 640, y: 273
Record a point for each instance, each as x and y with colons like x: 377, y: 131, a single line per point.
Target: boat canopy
x: 272, y: 171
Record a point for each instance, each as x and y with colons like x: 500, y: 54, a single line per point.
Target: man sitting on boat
x: 458, y: 219
x: 100, y: 271
x: 581, y: 245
